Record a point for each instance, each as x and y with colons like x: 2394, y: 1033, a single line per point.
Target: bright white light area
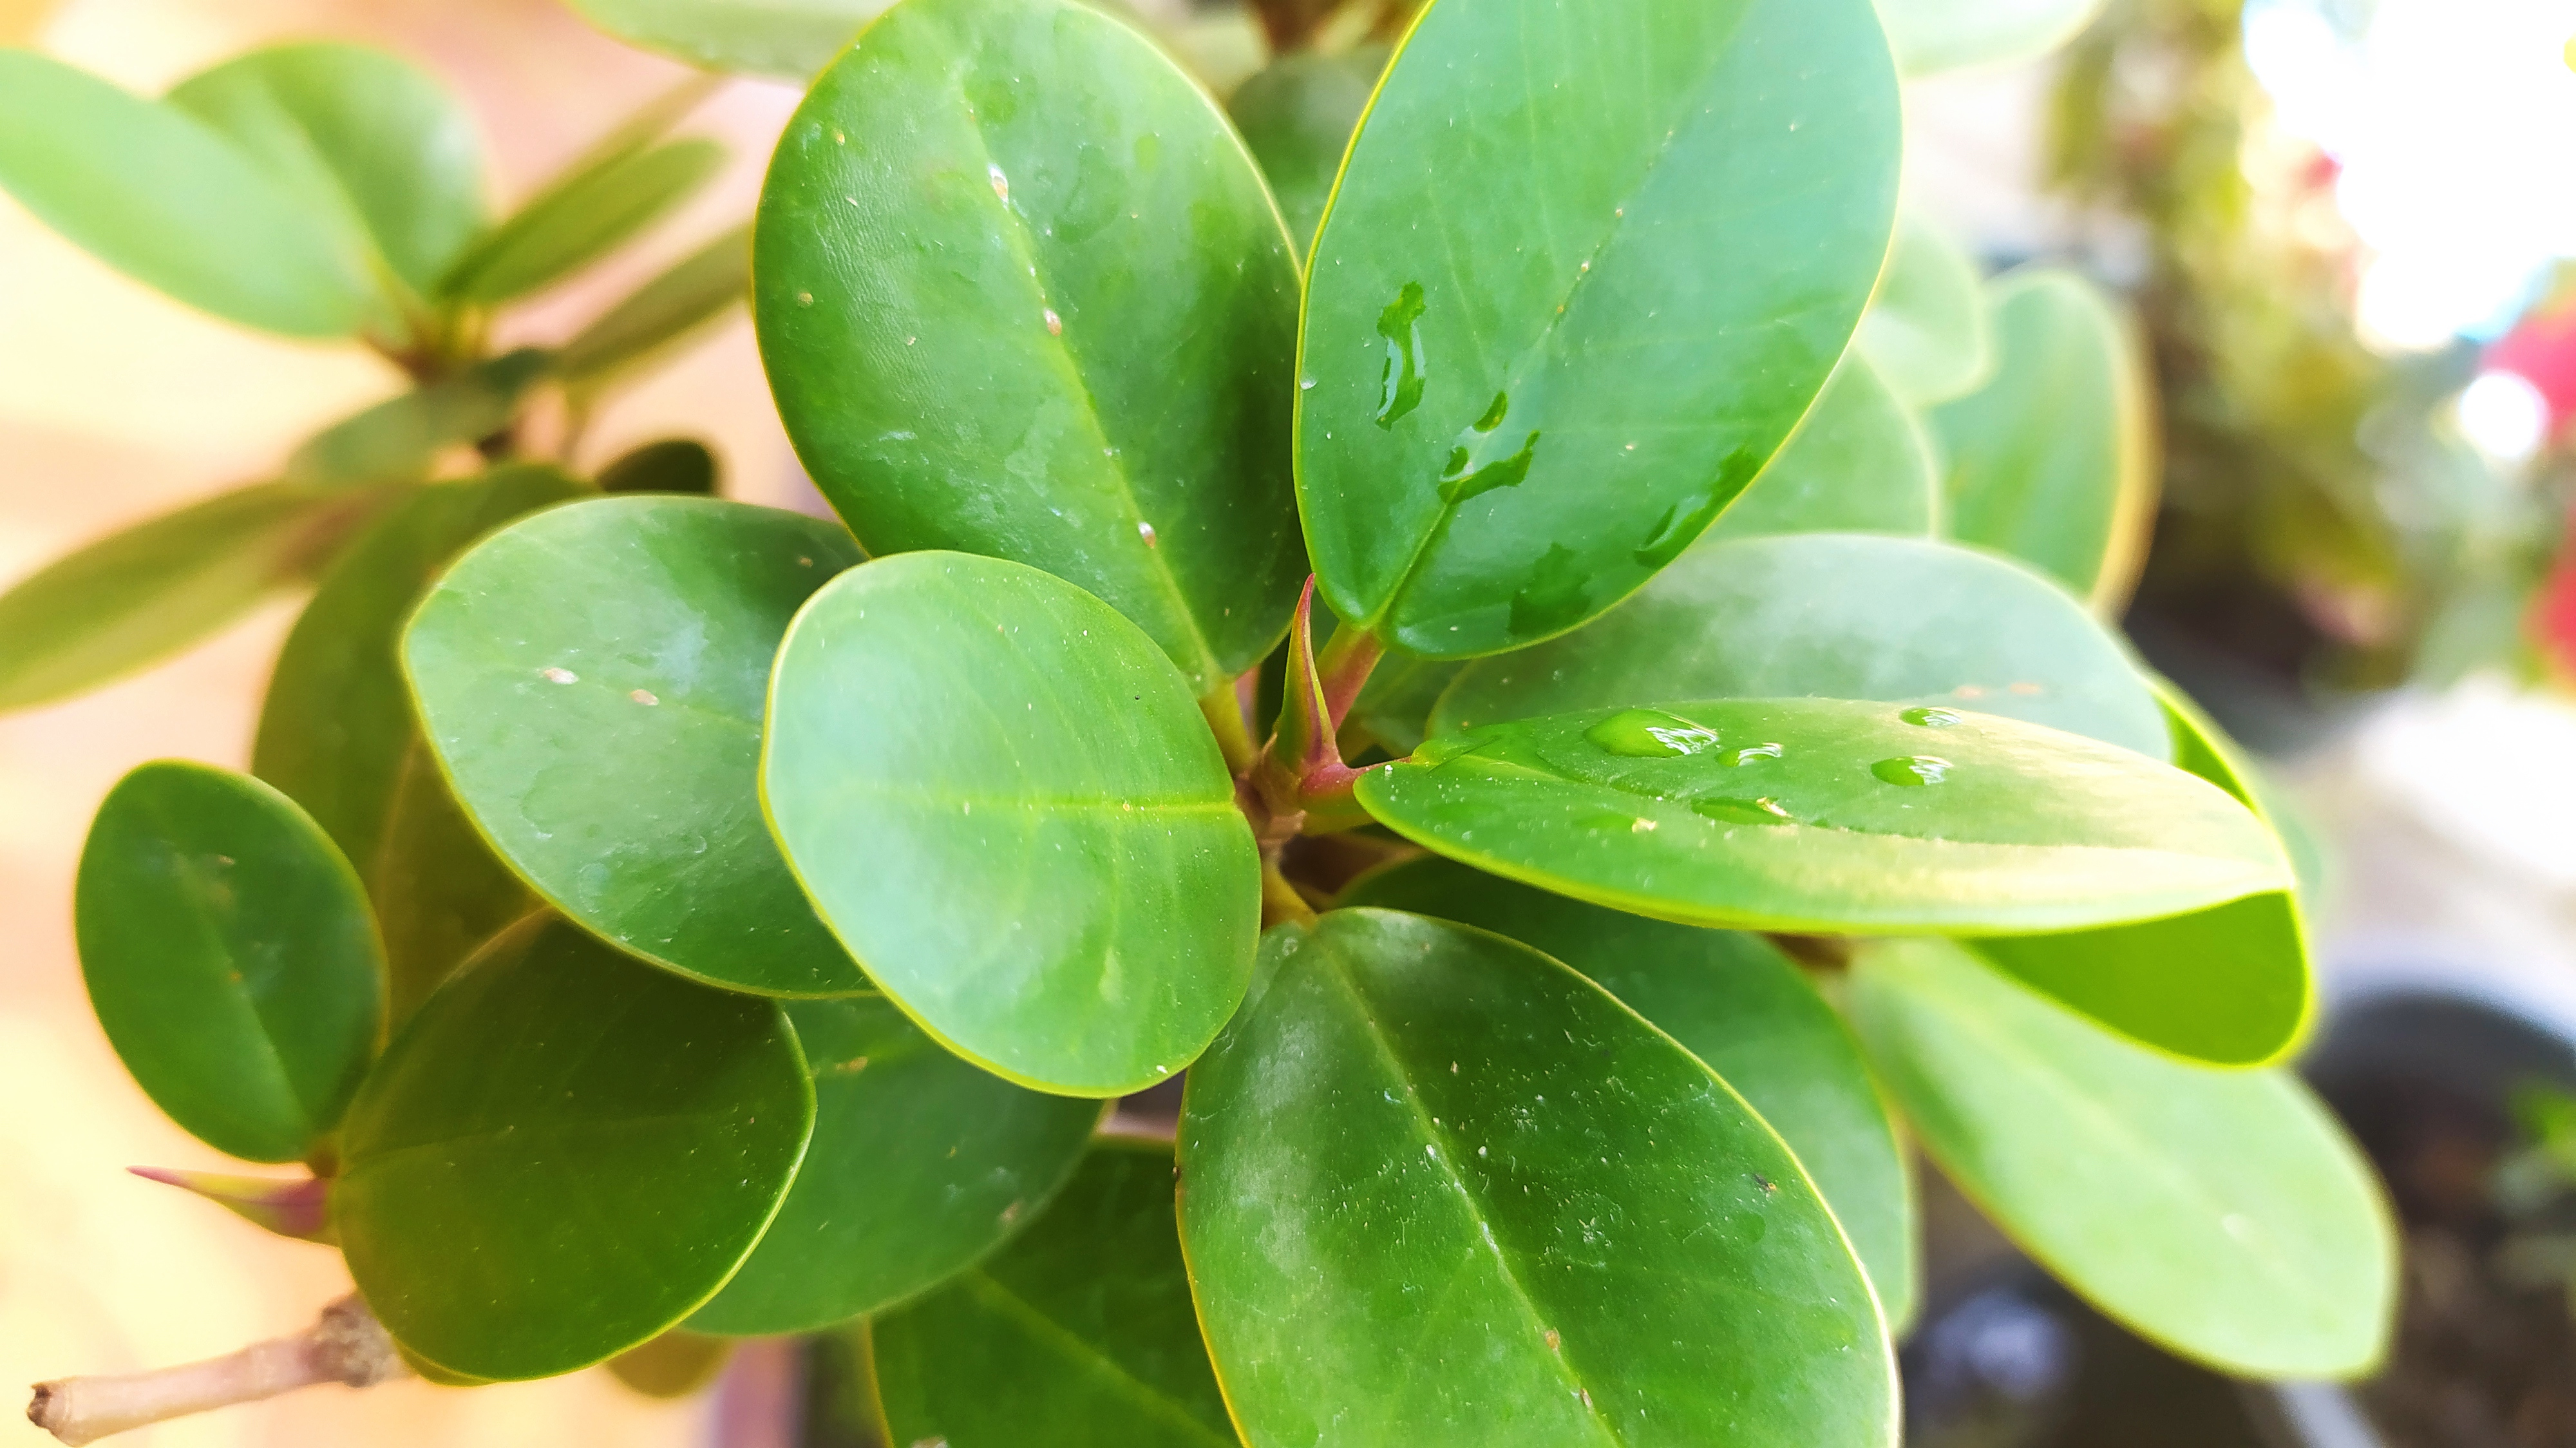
x: 2504, y: 416
x: 2452, y: 121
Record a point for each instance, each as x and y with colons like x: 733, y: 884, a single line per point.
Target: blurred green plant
x: 759, y: 927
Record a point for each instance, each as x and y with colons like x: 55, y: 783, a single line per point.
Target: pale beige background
x: 114, y: 405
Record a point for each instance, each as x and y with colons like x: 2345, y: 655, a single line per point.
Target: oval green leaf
x: 2220, y: 1213
x: 1859, y: 463
x: 579, y: 219
x: 170, y: 201
x: 1021, y: 293
x: 136, y: 597
x: 698, y: 288
x: 357, y: 135
x: 1931, y: 36
x: 400, y: 439
x: 1738, y: 1004
x: 1525, y: 387
x: 2049, y: 461
x: 1087, y: 1319
x: 1844, y: 617
x: 920, y: 1165
x: 1297, y: 115
x: 791, y: 39
x: 1002, y: 797
x: 1829, y: 815
x: 1927, y: 330
x: 592, y: 681
x: 440, y: 892
x: 564, y: 1154
x: 1438, y: 1189
x: 230, y: 957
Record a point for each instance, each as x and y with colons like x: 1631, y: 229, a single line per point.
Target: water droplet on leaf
x: 1912, y: 769
x: 1931, y: 718
x: 1742, y: 811
x: 1649, y: 734
x: 1400, y: 387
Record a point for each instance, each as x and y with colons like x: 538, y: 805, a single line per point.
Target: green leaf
x: 230, y: 957
x: 1438, y: 1189
x: 440, y: 892
x: 2227, y: 987
x: 2202, y: 748
x: 399, y: 440
x: 357, y: 135
x: 674, y: 1365
x: 1829, y: 815
x: 1003, y: 799
x: 1738, y: 1004
x: 579, y: 219
x: 1927, y: 331
x: 2049, y: 460
x: 693, y: 292
x: 1859, y: 463
x: 788, y: 38
x: 136, y: 597
x: 1931, y: 36
x: 2219, y: 1213
x: 1297, y: 115
x: 1020, y: 293
x: 673, y: 465
x: 2230, y: 986
x: 1078, y: 1335
x: 173, y: 203
x: 1526, y: 387
x: 564, y: 1154
x: 920, y: 1165
x: 592, y: 681
x: 1906, y: 620
x: 337, y: 720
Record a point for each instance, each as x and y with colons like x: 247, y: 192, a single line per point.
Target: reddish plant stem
x: 347, y: 1346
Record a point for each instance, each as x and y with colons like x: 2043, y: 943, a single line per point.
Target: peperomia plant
x: 1568, y: 752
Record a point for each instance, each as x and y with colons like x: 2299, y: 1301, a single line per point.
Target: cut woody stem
x: 347, y: 1346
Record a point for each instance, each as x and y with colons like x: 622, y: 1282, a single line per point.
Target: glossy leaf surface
x: 563, y: 1154
x: 1078, y: 1335
x: 360, y: 136
x: 1530, y: 387
x: 337, y: 720
x: 230, y: 957
x: 698, y: 288
x: 788, y: 38
x: 1438, y: 1189
x: 921, y: 1164
x: 1052, y: 323
x: 2049, y: 460
x: 1003, y: 798
x: 1905, y: 620
x: 1932, y: 36
x: 137, y: 596
x: 168, y: 200
x: 1927, y: 330
x: 2220, y: 1213
x: 592, y: 681
x: 1859, y: 463
x: 580, y: 219
x: 1828, y: 814
x: 440, y: 892
x: 673, y: 465
x: 1296, y: 115
x: 1738, y: 1004
x: 399, y: 440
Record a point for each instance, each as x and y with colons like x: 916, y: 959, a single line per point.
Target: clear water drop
x: 1742, y: 811
x: 1738, y: 758
x: 1912, y: 769
x: 1931, y: 717
x: 1649, y: 734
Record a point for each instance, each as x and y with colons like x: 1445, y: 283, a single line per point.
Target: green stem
x: 1224, y: 710
x: 1280, y: 900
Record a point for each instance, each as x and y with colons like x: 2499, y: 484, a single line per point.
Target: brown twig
x: 347, y: 1346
